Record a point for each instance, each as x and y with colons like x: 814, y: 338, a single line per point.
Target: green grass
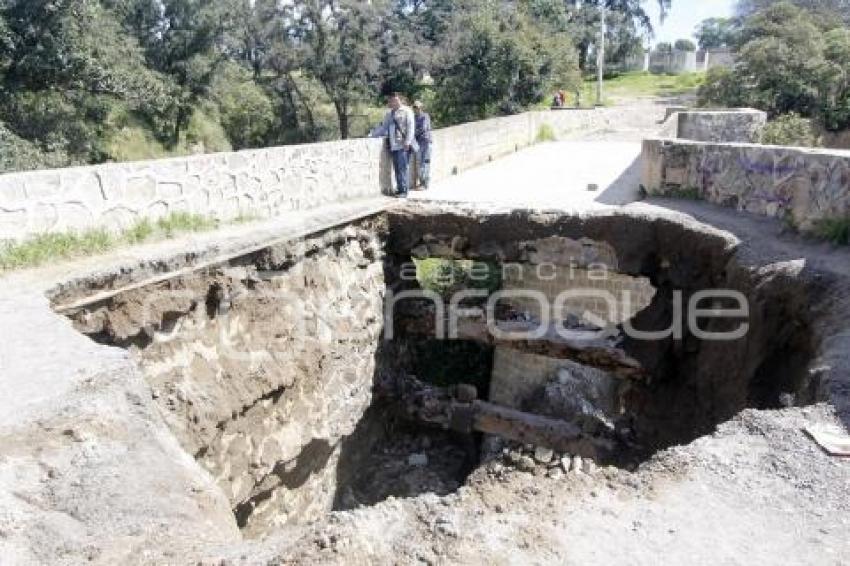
x: 835, y: 230
x: 640, y: 84
x: 46, y: 248
x: 446, y: 276
x: 545, y: 133
x: 687, y: 193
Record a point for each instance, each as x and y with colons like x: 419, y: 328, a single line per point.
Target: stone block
x: 13, y: 222
x: 169, y: 190
x: 140, y: 189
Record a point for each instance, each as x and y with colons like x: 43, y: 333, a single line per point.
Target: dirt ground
x: 756, y: 492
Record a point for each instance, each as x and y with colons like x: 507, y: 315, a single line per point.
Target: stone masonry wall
x: 460, y: 147
x: 741, y: 125
x: 557, y: 279
x: 804, y: 186
x: 262, y: 369
x: 261, y: 183
x: 555, y: 265
x: 519, y: 378
x: 257, y: 183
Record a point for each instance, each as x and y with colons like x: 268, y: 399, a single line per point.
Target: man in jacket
x: 400, y: 126
x: 424, y: 140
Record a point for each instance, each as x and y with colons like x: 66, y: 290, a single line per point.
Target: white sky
x: 684, y: 16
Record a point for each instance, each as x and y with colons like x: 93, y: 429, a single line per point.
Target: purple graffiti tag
x: 766, y: 168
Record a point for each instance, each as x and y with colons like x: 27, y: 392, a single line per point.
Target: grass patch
x: 446, y: 276
x: 687, y: 193
x: 545, y: 133
x: 46, y: 248
x: 640, y: 84
x: 49, y: 247
x: 184, y: 222
x: 835, y: 230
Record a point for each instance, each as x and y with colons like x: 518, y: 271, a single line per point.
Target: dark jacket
x: 423, y: 128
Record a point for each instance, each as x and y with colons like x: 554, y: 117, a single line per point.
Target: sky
x: 684, y: 16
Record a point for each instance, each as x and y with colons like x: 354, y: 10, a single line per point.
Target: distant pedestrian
x: 400, y: 126
x: 425, y: 141
x: 556, y: 101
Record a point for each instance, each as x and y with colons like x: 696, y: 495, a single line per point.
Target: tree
x: 788, y: 62
x: 716, y: 33
x: 624, y: 18
x: 181, y: 39
x: 341, y: 43
x: 835, y: 80
x: 780, y: 59
x: 685, y: 45
x: 828, y: 13
x: 66, y: 67
x: 244, y: 109
x: 498, y: 62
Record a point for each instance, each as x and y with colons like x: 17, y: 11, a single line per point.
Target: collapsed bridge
x: 274, y: 369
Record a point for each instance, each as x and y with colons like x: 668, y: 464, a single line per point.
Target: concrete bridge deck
x: 550, y: 175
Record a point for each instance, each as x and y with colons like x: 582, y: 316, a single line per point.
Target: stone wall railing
x: 742, y: 125
x: 467, y: 145
x: 257, y: 183
x: 805, y: 186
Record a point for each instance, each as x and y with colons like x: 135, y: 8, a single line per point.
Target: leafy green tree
x: 340, y: 39
x: 685, y: 45
x: 781, y: 59
x: 827, y: 13
x: 181, y: 39
x: 66, y: 65
x: 835, y: 80
x: 723, y: 87
x: 500, y: 63
x: 789, y: 61
x: 627, y: 21
x: 716, y: 33
x: 18, y: 154
x: 244, y: 108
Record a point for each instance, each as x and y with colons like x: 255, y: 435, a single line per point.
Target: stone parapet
x: 805, y: 186
x: 743, y: 125
x: 260, y: 183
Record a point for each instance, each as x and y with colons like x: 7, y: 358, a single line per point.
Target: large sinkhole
x: 315, y: 375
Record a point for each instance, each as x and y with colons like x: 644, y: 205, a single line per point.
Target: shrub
x: 722, y: 87
x: 446, y: 276
x: 18, y: 154
x: 244, y: 108
x: 836, y: 230
x: 545, y: 133
x: 789, y: 129
x: 204, y: 133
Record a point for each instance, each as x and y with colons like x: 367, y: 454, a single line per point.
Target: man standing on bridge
x: 400, y: 126
x: 424, y: 140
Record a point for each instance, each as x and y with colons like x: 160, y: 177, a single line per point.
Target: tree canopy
x: 87, y: 81
x: 790, y: 60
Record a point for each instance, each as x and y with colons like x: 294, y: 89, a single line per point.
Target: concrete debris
x: 543, y: 454
x: 418, y: 460
x: 575, y: 466
x: 832, y: 439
